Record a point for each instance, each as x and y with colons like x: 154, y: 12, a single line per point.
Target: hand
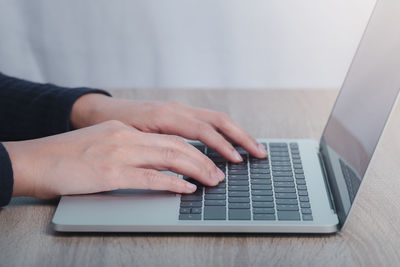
x: 215, y: 129
x: 104, y: 157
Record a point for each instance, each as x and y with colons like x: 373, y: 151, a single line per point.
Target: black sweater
x: 31, y: 110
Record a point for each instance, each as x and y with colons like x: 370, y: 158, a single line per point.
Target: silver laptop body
x: 333, y: 167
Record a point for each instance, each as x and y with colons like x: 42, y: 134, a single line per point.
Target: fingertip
x: 262, y: 151
x: 237, y: 156
x: 190, y: 188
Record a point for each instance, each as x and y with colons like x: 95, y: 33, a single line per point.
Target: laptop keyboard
x: 255, y: 189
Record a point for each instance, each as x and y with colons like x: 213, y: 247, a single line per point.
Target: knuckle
x: 151, y: 178
x: 118, y: 133
x: 169, y: 154
x: 223, y: 118
x: 175, y: 140
x: 114, y: 123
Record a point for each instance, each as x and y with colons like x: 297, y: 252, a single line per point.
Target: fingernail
x: 191, y: 187
x: 262, y: 149
x: 237, y: 156
x: 221, y: 175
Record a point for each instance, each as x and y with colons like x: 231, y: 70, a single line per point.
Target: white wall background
x: 182, y: 43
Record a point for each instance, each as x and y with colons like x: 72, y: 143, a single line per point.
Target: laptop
x: 304, y: 186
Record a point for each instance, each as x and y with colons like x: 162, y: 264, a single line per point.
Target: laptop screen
x: 363, y: 105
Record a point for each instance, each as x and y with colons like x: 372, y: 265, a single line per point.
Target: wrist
x: 87, y: 110
x: 22, y: 183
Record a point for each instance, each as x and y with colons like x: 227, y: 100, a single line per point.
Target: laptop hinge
x: 328, y: 188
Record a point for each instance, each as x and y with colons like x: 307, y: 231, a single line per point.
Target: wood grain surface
x: 371, y: 236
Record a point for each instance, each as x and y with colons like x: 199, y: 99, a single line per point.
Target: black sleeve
x: 31, y: 110
x: 6, y: 177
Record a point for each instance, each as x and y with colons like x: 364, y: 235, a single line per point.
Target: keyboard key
x: 238, y: 188
x: 191, y: 198
x: 297, y: 166
x: 279, y: 154
x: 237, y: 172
x: 305, y: 205
x: 184, y: 210
x: 285, y: 201
x: 239, y: 214
x: 260, y: 181
x: 195, y: 210
x: 238, y: 182
x: 298, y: 171
x: 189, y: 216
x: 287, y: 207
x: 283, y: 164
x: 214, y: 213
x: 259, y: 161
x: 215, y: 196
x: 240, y: 150
x: 254, y: 171
x: 261, y: 193
x: 280, y: 168
x: 213, y: 190
x: 237, y: 167
x: 302, y: 193
x: 276, y: 144
x: 260, y: 176
x: 307, y: 217
x: 294, y: 145
x: 286, y: 195
x: 288, y: 215
x: 239, y: 194
x: 282, y: 174
x: 239, y: 205
x: 220, y: 185
x: 296, y: 161
x: 262, y: 198
x: 302, y: 187
x: 263, y: 204
x: 191, y: 204
x: 283, y: 179
x: 263, y: 210
x: 261, y: 187
x: 304, y: 199
x: 306, y: 211
x: 299, y: 176
x: 215, y: 203
x: 300, y: 181
x: 280, y: 159
x: 239, y: 200
x: 259, y: 166
x: 238, y: 177
x: 283, y: 184
x: 285, y: 190
x: 267, y: 217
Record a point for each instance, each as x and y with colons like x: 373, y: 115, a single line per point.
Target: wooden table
x: 371, y: 236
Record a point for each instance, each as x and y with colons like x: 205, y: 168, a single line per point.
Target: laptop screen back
x: 363, y: 105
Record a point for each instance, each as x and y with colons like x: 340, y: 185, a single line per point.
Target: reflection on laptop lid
x: 363, y: 106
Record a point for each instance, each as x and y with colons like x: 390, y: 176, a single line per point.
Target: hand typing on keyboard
x: 127, y: 146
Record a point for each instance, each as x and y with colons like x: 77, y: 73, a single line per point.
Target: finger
x: 198, y: 130
x: 177, y: 143
x: 138, y: 178
x: 232, y: 130
x: 168, y: 158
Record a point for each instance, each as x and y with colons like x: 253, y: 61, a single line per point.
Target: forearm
x: 31, y: 110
